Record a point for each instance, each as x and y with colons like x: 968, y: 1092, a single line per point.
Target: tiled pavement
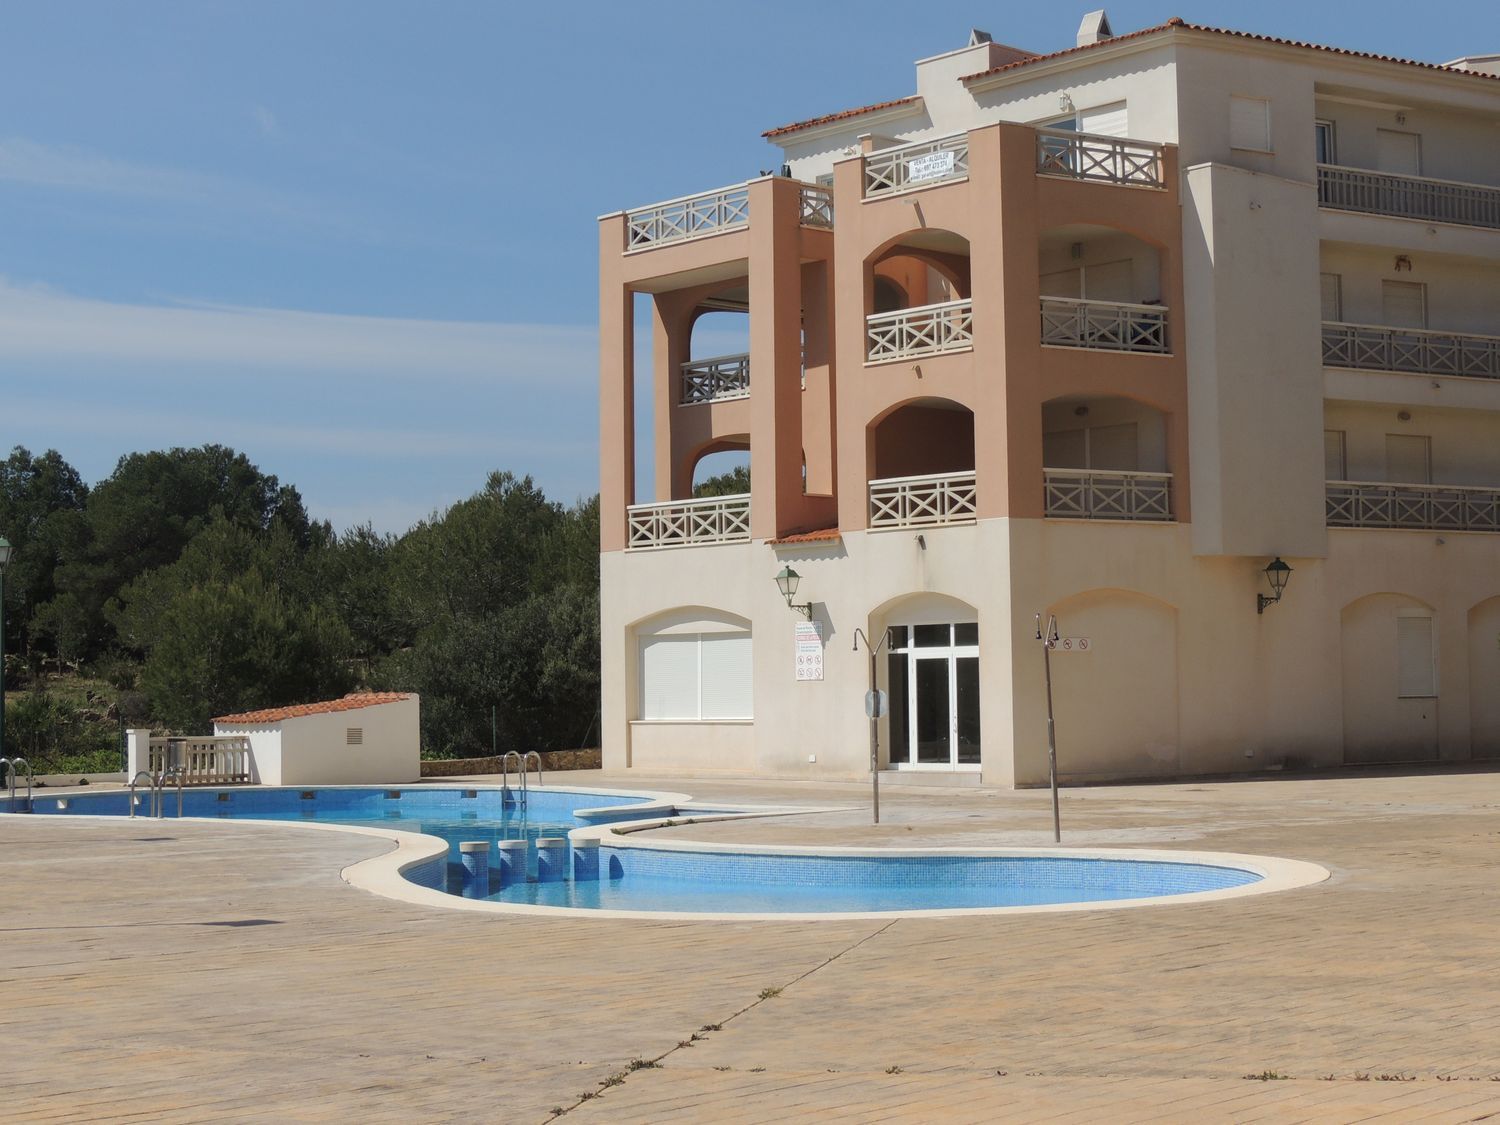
x: 125, y: 995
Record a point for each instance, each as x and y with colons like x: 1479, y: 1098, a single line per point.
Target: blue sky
x: 355, y: 238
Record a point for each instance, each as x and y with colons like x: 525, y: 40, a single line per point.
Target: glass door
x: 933, y: 683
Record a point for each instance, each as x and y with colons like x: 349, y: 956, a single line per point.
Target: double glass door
x: 933, y: 683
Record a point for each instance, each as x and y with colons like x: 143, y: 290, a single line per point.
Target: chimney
x: 1094, y: 29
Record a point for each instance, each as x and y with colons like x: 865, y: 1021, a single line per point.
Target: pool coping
x: 384, y: 874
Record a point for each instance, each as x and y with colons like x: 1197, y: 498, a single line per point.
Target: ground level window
x: 695, y: 676
x: 933, y: 681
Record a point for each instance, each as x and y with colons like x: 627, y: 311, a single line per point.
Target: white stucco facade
x: 358, y: 743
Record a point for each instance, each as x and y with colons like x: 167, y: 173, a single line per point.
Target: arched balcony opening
x: 1101, y: 289
x: 722, y: 469
x: 921, y: 458
x: 918, y: 297
x: 1105, y: 458
x: 714, y: 482
x: 718, y: 364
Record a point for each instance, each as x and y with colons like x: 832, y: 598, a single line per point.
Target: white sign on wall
x: 930, y: 166
x: 809, y: 645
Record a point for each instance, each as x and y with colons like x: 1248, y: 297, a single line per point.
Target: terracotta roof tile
x: 352, y: 702
x: 829, y: 118
x: 1178, y: 22
x: 822, y: 535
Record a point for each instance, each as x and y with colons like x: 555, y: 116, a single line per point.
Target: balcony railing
x: 1431, y: 507
x: 917, y: 165
x: 684, y: 523
x: 1087, y: 494
x: 1106, y: 325
x: 715, y: 380
x: 817, y: 207
x: 1408, y: 197
x: 219, y: 760
x: 1105, y: 160
x: 692, y: 216
x: 925, y: 330
x: 923, y: 501
x: 1414, y: 350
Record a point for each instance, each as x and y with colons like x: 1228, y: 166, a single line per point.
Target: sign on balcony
x: 930, y: 166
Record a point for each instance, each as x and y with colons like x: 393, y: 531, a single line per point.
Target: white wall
x: 313, y: 749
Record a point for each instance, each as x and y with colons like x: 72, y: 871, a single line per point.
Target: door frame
x: 951, y: 654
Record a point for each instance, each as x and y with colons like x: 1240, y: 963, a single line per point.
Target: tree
x: 41, y: 513
x: 732, y: 483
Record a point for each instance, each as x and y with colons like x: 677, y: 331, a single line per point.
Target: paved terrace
x: 171, y: 971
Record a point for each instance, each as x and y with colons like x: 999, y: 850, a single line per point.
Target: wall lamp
x: 1277, y: 572
x: 786, y: 582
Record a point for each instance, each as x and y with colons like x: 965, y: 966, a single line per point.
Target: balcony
x: 1408, y: 197
x: 687, y: 523
x: 1410, y: 350
x: 921, y: 331
x: 720, y: 379
x: 1104, y: 325
x: 713, y: 212
x: 921, y: 165
x: 923, y: 501
x: 1426, y: 507
x: 1087, y: 494
x: 1100, y: 160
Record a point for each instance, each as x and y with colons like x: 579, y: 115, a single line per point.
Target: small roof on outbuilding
x: 351, y: 702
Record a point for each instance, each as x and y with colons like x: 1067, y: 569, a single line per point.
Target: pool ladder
x: 9, y: 768
x: 157, y: 783
x: 523, y: 767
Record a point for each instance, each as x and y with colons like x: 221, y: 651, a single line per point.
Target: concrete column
x: 511, y: 857
x: 852, y: 299
x: 551, y: 859
x: 616, y: 387
x: 586, y: 861
x: 137, y: 752
x: 475, y: 857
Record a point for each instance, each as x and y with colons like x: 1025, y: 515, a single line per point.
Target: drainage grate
x: 308, y: 794
x: 393, y: 794
x: 238, y: 922
x: 471, y: 792
x: 222, y: 796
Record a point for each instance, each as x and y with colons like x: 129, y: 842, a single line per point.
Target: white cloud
x: 265, y: 121
x: 28, y: 162
x: 41, y: 324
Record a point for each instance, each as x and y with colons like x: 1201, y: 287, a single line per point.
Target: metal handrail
x: 505, y: 776
x: 153, y: 782
x: 8, y: 774
x: 526, y: 764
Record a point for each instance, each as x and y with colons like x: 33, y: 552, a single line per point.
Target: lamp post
x: 1277, y: 572
x: 5, y: 550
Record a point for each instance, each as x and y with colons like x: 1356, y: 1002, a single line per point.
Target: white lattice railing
x: 715, y: 380
x: 692, y: 216
x: 1088, y: 494
x: 1408, y: 197
x: 916, y: 165
x: 1106, y: 160
x: 817, y: 207
x: 1108, y: 325
x: 925, y: 330
x: 1434, y: 507
x: 218, y: 760
x: 1414, y: 350
x: 922, y: 501
x: 683, y: 523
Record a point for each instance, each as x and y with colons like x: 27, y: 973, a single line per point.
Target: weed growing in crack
x: 769, y: 993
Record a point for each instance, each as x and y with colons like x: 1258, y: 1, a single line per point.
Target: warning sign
x: 809, y: 646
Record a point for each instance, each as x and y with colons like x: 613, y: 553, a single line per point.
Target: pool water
x: 657, y: 879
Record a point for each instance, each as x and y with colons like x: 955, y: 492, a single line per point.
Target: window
x: 1416, y: 671
x: 1323, y: 133
x: 1332, y: 286
x: 1109, y: 448
x: 1334, y: 464
x: 1404, y: 304
x: 1408, y: 459
x: 693, y: 677
x: 1250, y: 124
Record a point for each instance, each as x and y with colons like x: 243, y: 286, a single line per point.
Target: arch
x: 695, y: 472
x: 920, y: 262
x: 1387, y: 717
x: 920, y: 436
x: 690, y: 618
x: 1484, y: 679
x: 716, y: 331
x: 1117, y: 703
x: 922, y: 607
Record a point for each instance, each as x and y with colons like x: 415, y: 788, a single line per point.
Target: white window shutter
x: 1331, y: 286
x: 727, y: 676
x: 669, y: 677
x: 1104, y: 120
x: 1414, y: 665
x: 1404, y: 304
x: 1250, y: 124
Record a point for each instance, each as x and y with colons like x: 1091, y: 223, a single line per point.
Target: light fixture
x: 1064, y: 103
x: 1403, y: 263
x: 1277, y: 572
x: 786, y: 582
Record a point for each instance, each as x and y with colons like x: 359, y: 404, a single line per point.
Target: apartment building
x: 1114, y: 335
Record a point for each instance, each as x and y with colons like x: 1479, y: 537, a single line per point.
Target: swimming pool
x: 584, y: 862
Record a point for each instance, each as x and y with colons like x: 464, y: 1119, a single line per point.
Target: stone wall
x: 552, y: 760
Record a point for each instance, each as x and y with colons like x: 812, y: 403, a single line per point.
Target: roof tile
x: 351, y: 702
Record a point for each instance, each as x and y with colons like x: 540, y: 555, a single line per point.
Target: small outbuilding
x: 365, y: 738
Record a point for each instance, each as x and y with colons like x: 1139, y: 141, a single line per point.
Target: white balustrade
x: 817, y: 207
x: 1106, y: 160
x: 1418, y: 351
x: 1408, y: 197
x: 715, y: 380
x: 1105, y: 325
x: 923, y: 501
x: 692, y: 216
x: 215, y: 760
x: 1088, y: 494
x: 917, y: 165
x: 925, y: 330
x: 1431, y: 507
x: 683, y: 523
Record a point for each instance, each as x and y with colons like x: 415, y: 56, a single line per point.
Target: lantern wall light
x: 786, y: 582
x: 1276, y: 575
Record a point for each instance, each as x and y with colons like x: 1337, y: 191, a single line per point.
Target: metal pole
x: 874, y: 719
x: 494, y: 745
x: 2, y: 652
x: 1047, y: 642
